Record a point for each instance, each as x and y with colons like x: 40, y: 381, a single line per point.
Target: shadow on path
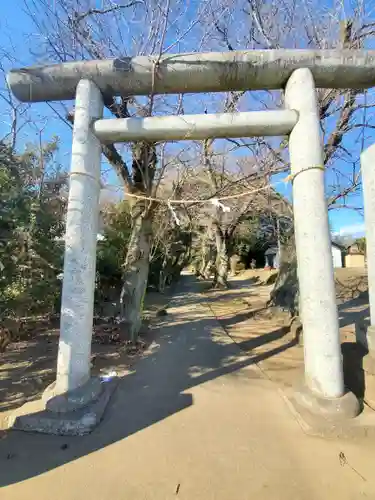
x: 190, y: 350
x: 353, y: 310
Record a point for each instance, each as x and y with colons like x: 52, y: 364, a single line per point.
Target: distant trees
x: 170, y: 248
x: 361, y: 244
x: 31, y: 226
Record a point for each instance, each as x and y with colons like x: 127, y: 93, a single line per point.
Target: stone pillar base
x: 71, y: 414
x: 73, y: 400
x: 328, y: 417
x: 330, y: 409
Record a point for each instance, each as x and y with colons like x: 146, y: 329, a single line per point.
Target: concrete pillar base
x: 333, y: 410
x: 65, y: 415
x: 330, y: 419
x: 73, y: 400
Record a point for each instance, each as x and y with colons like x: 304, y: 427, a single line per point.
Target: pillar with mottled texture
x: 323, y: 362
x: 74, y: 357
x: 368, y: 182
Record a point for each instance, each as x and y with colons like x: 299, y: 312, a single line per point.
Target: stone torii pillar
x: 368, y: 181
x: 365, y: 329
x: 75, y: 402
x: 324, y: 390
x: 74, y: 358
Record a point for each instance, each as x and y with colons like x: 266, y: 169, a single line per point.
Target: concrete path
x: 195, y: 420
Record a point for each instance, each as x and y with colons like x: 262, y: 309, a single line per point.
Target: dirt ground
x: 242, y: 312
x: 28, y: 366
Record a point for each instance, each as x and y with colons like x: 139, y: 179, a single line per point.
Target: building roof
x: 353, y: 249
x: 337, y: 245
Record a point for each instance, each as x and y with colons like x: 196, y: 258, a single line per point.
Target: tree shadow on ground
x: 29, y: 363
x: 353, y: 310
x: 26, y: 370
x: 190, y: 349
x: 354, y: 375
x: 244, y: 315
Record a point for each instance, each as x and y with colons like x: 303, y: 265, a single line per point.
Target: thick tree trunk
x: 208, y: 269
x: 285, y: 293
x: 136, y: 273
x: 205, y: 257
x: 222, y: 266
x: 207, y: 260
x: 166, y: 273
x: 203, y: 266
x: 222, y: 259
x: 163, y: 273
x: 234, y: 260
x: 137, y: 260
x: 210, y: 265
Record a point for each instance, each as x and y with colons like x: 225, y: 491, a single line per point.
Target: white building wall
x: 336, y: 256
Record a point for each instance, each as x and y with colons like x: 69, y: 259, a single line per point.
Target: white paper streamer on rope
x: 174, y: 215
x: 218, y: 204
x: 201, y: 201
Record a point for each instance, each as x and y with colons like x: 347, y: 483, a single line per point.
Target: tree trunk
x: 222, y: 266
x: 208, y: 260
x: 203, y: 266
x: 208, y: 269
x: 234, y: 260
x: 205, y: 257
x: 136, y: 273
x: 222, y: 259
x: 285, y: 293
x: 137, y: 260
x: 162, y: 278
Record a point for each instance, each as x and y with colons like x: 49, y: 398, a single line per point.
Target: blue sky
x: 18, y: 34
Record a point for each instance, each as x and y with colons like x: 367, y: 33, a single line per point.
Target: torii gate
x: 299, y: 72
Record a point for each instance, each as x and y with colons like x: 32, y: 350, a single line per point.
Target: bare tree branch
x: 77, y: 18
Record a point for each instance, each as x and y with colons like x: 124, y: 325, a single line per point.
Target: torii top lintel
x: 195, y: 72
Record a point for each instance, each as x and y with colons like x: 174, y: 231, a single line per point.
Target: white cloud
x: 352, y: 229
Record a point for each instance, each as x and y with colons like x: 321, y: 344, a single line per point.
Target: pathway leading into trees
x: 194, y: 420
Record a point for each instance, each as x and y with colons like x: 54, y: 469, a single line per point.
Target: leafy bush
x: 31, y: 223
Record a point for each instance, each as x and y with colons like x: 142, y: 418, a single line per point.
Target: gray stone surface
x: 197, y: 72
x: 359, y: 428
x: 321, y: 337
x: 196, y: 127
x: 77, y: 302
x: 339, y: 417
x: 330, y: 409
x: 34, y: 417
x: 368, y: 188
x: 72, y: 400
